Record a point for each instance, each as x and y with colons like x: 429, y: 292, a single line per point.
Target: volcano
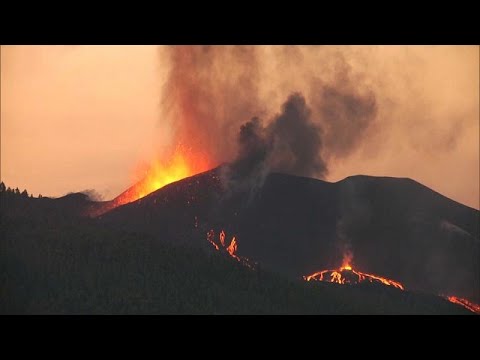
x: 396, y: 227
x: 201, y: 245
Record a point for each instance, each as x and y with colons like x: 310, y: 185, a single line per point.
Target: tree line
x: 16, y: 191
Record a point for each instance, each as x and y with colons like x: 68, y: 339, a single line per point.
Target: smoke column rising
x: 211, y: 91
x: 85, y: 114
x: 373, y: 110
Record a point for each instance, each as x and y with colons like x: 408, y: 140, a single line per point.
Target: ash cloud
x: 255, y: 146
x: 211, y: 91
x: 354, y: 105
x: 291, y: 144
x: 208, y: 92
x: 299, y: 141
x: 346, y: 113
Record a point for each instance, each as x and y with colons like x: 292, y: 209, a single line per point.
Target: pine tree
x: 25, y: 193
x: 17, y: 191
x: 2, y: 187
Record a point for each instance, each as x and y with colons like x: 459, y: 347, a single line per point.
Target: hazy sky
x: 85, y: 117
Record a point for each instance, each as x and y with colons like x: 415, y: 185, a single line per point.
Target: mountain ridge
x: 395, y: 227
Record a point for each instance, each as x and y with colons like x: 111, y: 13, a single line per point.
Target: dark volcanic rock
x: 394, y: 227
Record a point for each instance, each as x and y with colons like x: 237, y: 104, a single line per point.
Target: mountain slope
x: 71, y: 267
x: 394, y: 227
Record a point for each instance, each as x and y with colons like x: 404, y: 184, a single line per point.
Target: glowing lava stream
x: 183, y: 163
x: 346, y: 275
x: 465, y: 303
x: 231, y: 249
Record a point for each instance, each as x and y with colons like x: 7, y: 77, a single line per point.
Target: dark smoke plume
x: 290, y: 144
x: 346, y: 115
x: 297, y: 140
x: 347, y: 109
x: 294, y: 142
x: 211, y: 90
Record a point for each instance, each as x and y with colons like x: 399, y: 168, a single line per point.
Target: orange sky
x: 84, y: 117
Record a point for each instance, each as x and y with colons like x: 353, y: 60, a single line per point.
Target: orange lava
x: 231, y: 249
x: 211, y: 239
x: 346, y: 275
x: 183, y: 163
x: 222, y: 238
x: 465, y: 303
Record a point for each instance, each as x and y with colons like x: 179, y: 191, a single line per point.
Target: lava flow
x: 346, y: 275
x: 230, y: 249
x: 465, y: 303
x: 183, y: 163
